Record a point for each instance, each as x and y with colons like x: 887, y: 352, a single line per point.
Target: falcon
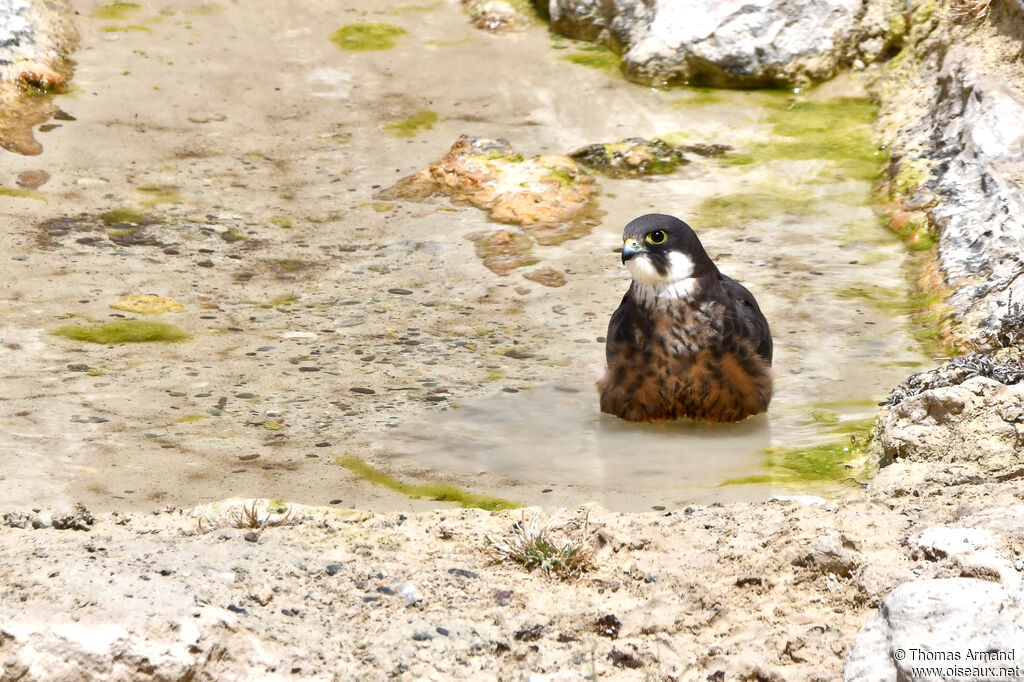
x: 686, y: 341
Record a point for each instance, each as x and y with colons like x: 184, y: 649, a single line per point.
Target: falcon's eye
x: 657, y: 237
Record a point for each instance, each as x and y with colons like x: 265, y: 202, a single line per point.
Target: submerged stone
x: 490, y: 175
x: 632, y: 157
x: 148, y: 304
x: 500, y: 16
x: 505, y: 250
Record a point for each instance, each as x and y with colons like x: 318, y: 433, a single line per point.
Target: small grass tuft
x: 532, y: 545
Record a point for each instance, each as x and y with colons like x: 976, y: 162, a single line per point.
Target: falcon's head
x: 664, y: 255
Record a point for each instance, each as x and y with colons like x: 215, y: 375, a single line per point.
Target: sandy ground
x: 772, y: 591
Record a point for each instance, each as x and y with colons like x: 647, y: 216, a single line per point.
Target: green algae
x: 116, y: 11
x: 927, y: 318
x: 436, y: 491
x: 283, y: 300
x: 677, y: 138
x: 19, y: 193
x: 125, y: 29
x: 836, y: 130
x: 831, y: 462
x: 595, y: 57
x: 367, y: 36
x: 730, y: 209
x: 699, y: 97
x: 122, y: 216
x: 277, y: 506
x: 409, y: 127
x: 123, y: 331
x: 159, y: 194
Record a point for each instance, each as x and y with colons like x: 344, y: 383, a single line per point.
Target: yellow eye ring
x: 657, y: 237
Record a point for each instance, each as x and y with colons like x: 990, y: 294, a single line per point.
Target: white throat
x: 653, y: 288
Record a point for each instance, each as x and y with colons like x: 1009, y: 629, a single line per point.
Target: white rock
x: 922, y: 622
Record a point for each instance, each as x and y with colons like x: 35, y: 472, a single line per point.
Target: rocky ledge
x: 754, y: 43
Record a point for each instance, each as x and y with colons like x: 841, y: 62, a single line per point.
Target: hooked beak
x: 631, y: 248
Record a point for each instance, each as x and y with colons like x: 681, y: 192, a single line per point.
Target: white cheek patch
x: 643, y: 271
x: 680, y: 267
x: 653, y: 287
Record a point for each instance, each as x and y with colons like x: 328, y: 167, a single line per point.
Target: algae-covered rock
x: 630, y: 158
x: 731, y: 44
x: 490, y: 175
x: 148, y: 304
x: 500, y: 16
x: 123, y: 331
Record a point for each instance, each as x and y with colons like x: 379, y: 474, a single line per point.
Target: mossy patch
x: 277, y: 506
x: 595, y: 57
x: 367, y: 36
x: 832, y: 462
x: 409, y: 127
x: 282, y: 300
x: 19, y: 193
x: 436, y: 491
x: 734, y: 209
x: 159, y: 194
x: 123, y: 216
x: 116, y: 11
x: 123, y: 331
x: 837, y: 130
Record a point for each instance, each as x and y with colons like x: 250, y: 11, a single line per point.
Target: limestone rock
x: 971, y: 423
x: 953, y: 622
x: 631, y: 158
x: 733, y: 43
x: 499, y: 16
x: 489, y: 174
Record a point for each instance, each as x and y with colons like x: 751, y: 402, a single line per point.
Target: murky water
x: 249, y: 115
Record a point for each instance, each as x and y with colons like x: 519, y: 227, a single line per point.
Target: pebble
x: 422, y: 636
x: 384, y: 589
x: 503, y: 597
x: 252, y: 536
x: 350, y: 322
x: 323, y: 444
x: 333, y: 569
x: 236, y: 609
x: 463, y: 572
x: 244, y: 396
x: 509, y: 389
x: 309, y: 369
x: 399, y: 292
x: 411, y: 594
x: 370, y: 598
x: 362, y: 391
x: 298, y: 335
x: 88, y: 419
x: 441, y: 631
x: 246, y: 458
